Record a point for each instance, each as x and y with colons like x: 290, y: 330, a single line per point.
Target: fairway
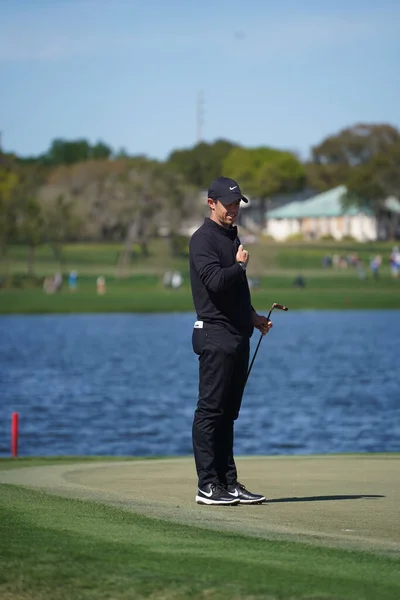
x: 344, y: 501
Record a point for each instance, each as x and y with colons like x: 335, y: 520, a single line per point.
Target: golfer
x: 221, y: 338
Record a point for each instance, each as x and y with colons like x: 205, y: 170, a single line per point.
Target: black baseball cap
x: 226, y: 190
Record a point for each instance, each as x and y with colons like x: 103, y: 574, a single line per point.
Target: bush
x: 295, y: 237
x: 21, y: 281
x: 179, y: 246
x: 348, y: 238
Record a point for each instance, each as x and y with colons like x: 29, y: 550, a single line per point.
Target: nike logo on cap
x: 232, y: 188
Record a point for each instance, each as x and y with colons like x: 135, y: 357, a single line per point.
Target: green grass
x: 55, y: 548
x: 309, y: 255
x: 94, y: 259
x: 275, y: 264
x: 264, y: 256
x: 148, y: 295
x: 7, y: 463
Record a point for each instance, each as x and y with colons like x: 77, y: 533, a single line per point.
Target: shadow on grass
x: 322, y: 498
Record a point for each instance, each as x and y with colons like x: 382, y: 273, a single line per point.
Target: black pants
x: 223, y: 364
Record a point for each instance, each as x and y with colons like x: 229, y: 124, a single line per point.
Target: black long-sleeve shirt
x: 220, y: 289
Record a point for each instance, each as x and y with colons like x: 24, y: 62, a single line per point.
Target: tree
x: 338, y: 154
x: 178, y: 201
x: 264, y: 172
x: 202, y: 163
x: 325, y: 177
x: 61, y: 224
x: 100, y: 151
x: 150, y: 195
x: 30, y: 221
x: 355, y: 145
x: 8, y: 184
x: 139, y: 200
x: 65, y: 152
x: 62, y: 152
x: 31, y: 228
x: 128, y: 199
x: 372, y: 183
x: 92, y: 186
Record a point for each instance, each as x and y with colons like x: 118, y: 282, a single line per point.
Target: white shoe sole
x: 258, y: 501
x: 209, y: 502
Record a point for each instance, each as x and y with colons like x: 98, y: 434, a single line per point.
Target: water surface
x: 121, y: 384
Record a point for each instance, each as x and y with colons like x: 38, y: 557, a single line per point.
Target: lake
x: 126, y: 384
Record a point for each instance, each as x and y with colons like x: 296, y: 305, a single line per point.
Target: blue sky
x: 283, y: 74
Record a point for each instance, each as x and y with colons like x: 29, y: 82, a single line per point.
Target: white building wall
x: 336, y: 227
x: 324, y: 225
x: 280, y: 229
x: 361, y: 227
x: 364, y: 228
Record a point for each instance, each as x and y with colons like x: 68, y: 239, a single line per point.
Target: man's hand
x: 261, y: 323
x: 242, y: 255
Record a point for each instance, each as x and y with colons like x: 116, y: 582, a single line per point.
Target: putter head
x: 279, y: 306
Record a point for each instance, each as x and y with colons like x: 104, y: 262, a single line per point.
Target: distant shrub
x: 21, y: 281
x: 179, y: 246
x: 295, y: 237
x: 327, y: 238
x: 267, y: 237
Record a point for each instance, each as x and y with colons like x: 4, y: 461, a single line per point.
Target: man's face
x: 224, y: 214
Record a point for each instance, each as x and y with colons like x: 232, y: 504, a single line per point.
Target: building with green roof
x: 324, y: 215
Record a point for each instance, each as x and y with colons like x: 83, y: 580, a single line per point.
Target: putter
x: 279, y: 307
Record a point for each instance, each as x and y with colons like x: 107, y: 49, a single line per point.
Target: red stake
x: 14, y: 434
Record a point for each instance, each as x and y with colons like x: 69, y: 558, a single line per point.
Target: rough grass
x: 54, y: 548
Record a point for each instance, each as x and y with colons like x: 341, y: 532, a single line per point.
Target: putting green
x: 350, y: 501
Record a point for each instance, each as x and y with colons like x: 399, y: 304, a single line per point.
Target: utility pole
x: 200, y: 115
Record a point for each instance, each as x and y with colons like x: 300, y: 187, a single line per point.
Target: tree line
x: 82, y: 192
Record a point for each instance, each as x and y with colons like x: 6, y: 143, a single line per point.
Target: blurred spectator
x: 52, y: 284
x: 343, y: 262
x: 361, y: 270
x: 254, y: 283
x: 48, y: 285
x: 73, y: 281
x: 395, y: 261
x: 101, y: 285
x: 58, y: 282
x: 335, y: 260
x: 172, y: 279
x: 167, y: 279
x: 176, y: 280
x: 299, y: 282
x: 375, y: 264
x: 353, y: 260
x: 327, y: 261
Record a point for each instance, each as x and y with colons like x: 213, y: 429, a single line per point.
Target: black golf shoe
x: 237, y: 490
x: 215, y: 494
